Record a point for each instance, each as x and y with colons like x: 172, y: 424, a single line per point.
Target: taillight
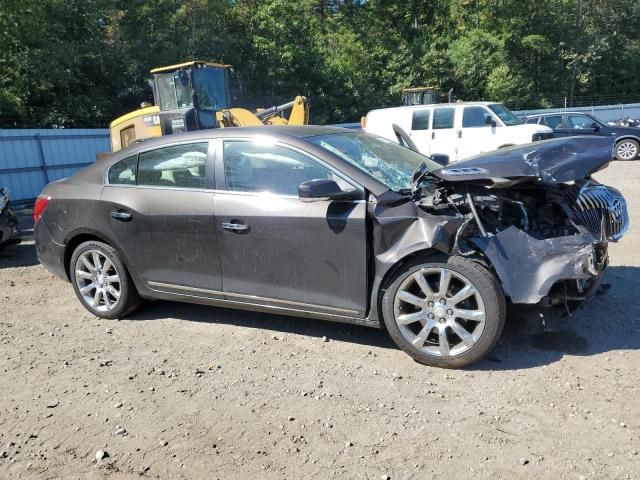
x: 39, y: 207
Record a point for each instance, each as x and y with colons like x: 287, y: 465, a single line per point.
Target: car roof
x: 276, y: 131
x: 417, y: 107
x: 556, y: 113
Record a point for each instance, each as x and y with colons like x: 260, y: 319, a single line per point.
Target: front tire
x: 101, y: 281
x: 448, y: 312
x: 627, y: 149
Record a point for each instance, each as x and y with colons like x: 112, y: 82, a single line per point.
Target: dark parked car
x: 9, y: 226
x: 569, y: 124
x: 340, y: 225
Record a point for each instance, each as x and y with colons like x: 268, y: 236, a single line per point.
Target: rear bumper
x: 9, y: 229
x: 50, y: 254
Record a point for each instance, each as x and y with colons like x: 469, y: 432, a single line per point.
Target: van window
x: 532, y: 120
x: 475, y: 117
x: 443, y: 118
x: 420, y: 120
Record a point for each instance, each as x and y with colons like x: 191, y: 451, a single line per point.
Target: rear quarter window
x: 124, y: 172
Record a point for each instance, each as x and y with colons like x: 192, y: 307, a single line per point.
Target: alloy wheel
x: 98, y: 281
x: 439, y: 311
x: 626, y: 150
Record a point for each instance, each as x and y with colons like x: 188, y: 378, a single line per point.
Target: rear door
x: 159, y: 207
x: 556, y: 123
x: 444, y: 137
x: 277, y: 250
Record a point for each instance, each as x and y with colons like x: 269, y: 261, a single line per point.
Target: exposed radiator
x: 597, y: 207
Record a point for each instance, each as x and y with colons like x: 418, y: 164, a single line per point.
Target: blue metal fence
x: 605, y: 113
x: 29, y: 159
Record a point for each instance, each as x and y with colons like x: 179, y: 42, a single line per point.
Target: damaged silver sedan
x: 327, y: 223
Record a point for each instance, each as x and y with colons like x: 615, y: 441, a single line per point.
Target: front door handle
x: 433, y: 135
x: 235, y: 227
x: 459, y: 133
x: 121, y: 215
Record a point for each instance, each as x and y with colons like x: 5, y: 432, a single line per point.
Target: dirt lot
x: 183, y: 391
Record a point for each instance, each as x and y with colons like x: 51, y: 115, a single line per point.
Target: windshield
x: 505, y: 114
x: 210, y: 84
x: 388, y: 162
x: 174, y: 91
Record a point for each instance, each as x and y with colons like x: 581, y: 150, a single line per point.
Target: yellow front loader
x: 194, y: 96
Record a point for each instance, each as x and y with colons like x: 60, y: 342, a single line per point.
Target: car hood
x: 551, y: 161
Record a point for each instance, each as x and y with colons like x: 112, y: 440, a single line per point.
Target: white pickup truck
x: 457, y: 130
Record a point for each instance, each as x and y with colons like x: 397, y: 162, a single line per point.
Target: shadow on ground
x: 606, y: 323
x: 22, y: 255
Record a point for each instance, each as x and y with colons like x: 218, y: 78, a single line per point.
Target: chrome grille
x: 597, y: 207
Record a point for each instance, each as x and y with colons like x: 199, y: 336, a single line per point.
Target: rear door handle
x: 459, y: 133
x: 235, y: 227
x: 122, y: 216
x: 433, y: 135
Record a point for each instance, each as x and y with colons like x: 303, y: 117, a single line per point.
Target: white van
x: 458, y: 130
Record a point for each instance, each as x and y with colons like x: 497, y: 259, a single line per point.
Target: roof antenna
x: 450, y: 96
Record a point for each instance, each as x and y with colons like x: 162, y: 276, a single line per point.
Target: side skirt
x: 257, y: 304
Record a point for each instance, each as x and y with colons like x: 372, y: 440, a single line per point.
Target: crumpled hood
x: 552, y: 161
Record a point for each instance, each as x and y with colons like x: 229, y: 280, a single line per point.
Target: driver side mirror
x: 490, y: 121
x: 324, y: 189
x: 440, y: 159
x: 595, y: 126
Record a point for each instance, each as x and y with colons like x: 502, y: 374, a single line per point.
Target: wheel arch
x: 627, y: 137
x: 622, y: 138
x: 76, y: 238
x: 388, y: 274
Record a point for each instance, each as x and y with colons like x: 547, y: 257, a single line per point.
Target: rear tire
x: 627, y: 149
x: 101, y: 281
x: 451, y: 328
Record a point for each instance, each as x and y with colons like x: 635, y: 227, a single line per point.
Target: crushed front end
x: 545, y: 239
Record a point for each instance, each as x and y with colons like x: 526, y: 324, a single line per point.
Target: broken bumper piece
x: 528, y: 268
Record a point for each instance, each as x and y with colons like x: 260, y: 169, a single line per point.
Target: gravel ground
x: 184, y: 391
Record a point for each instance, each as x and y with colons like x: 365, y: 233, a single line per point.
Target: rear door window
x: 443, y: 118
x: 177, y: 166
x: 420, y: 119
x: 124, y: 172
x: 552, y: 121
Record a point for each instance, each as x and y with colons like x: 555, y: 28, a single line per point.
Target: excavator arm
x: 240, y: 117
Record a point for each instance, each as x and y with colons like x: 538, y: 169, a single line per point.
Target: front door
x: 160, y: 213
x: 444, y: 138
x: 277, y: 250
x: 476, y: 135
x: 576, y: 124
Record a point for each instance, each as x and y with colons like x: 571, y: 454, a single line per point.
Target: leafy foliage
x: 80, y: 63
